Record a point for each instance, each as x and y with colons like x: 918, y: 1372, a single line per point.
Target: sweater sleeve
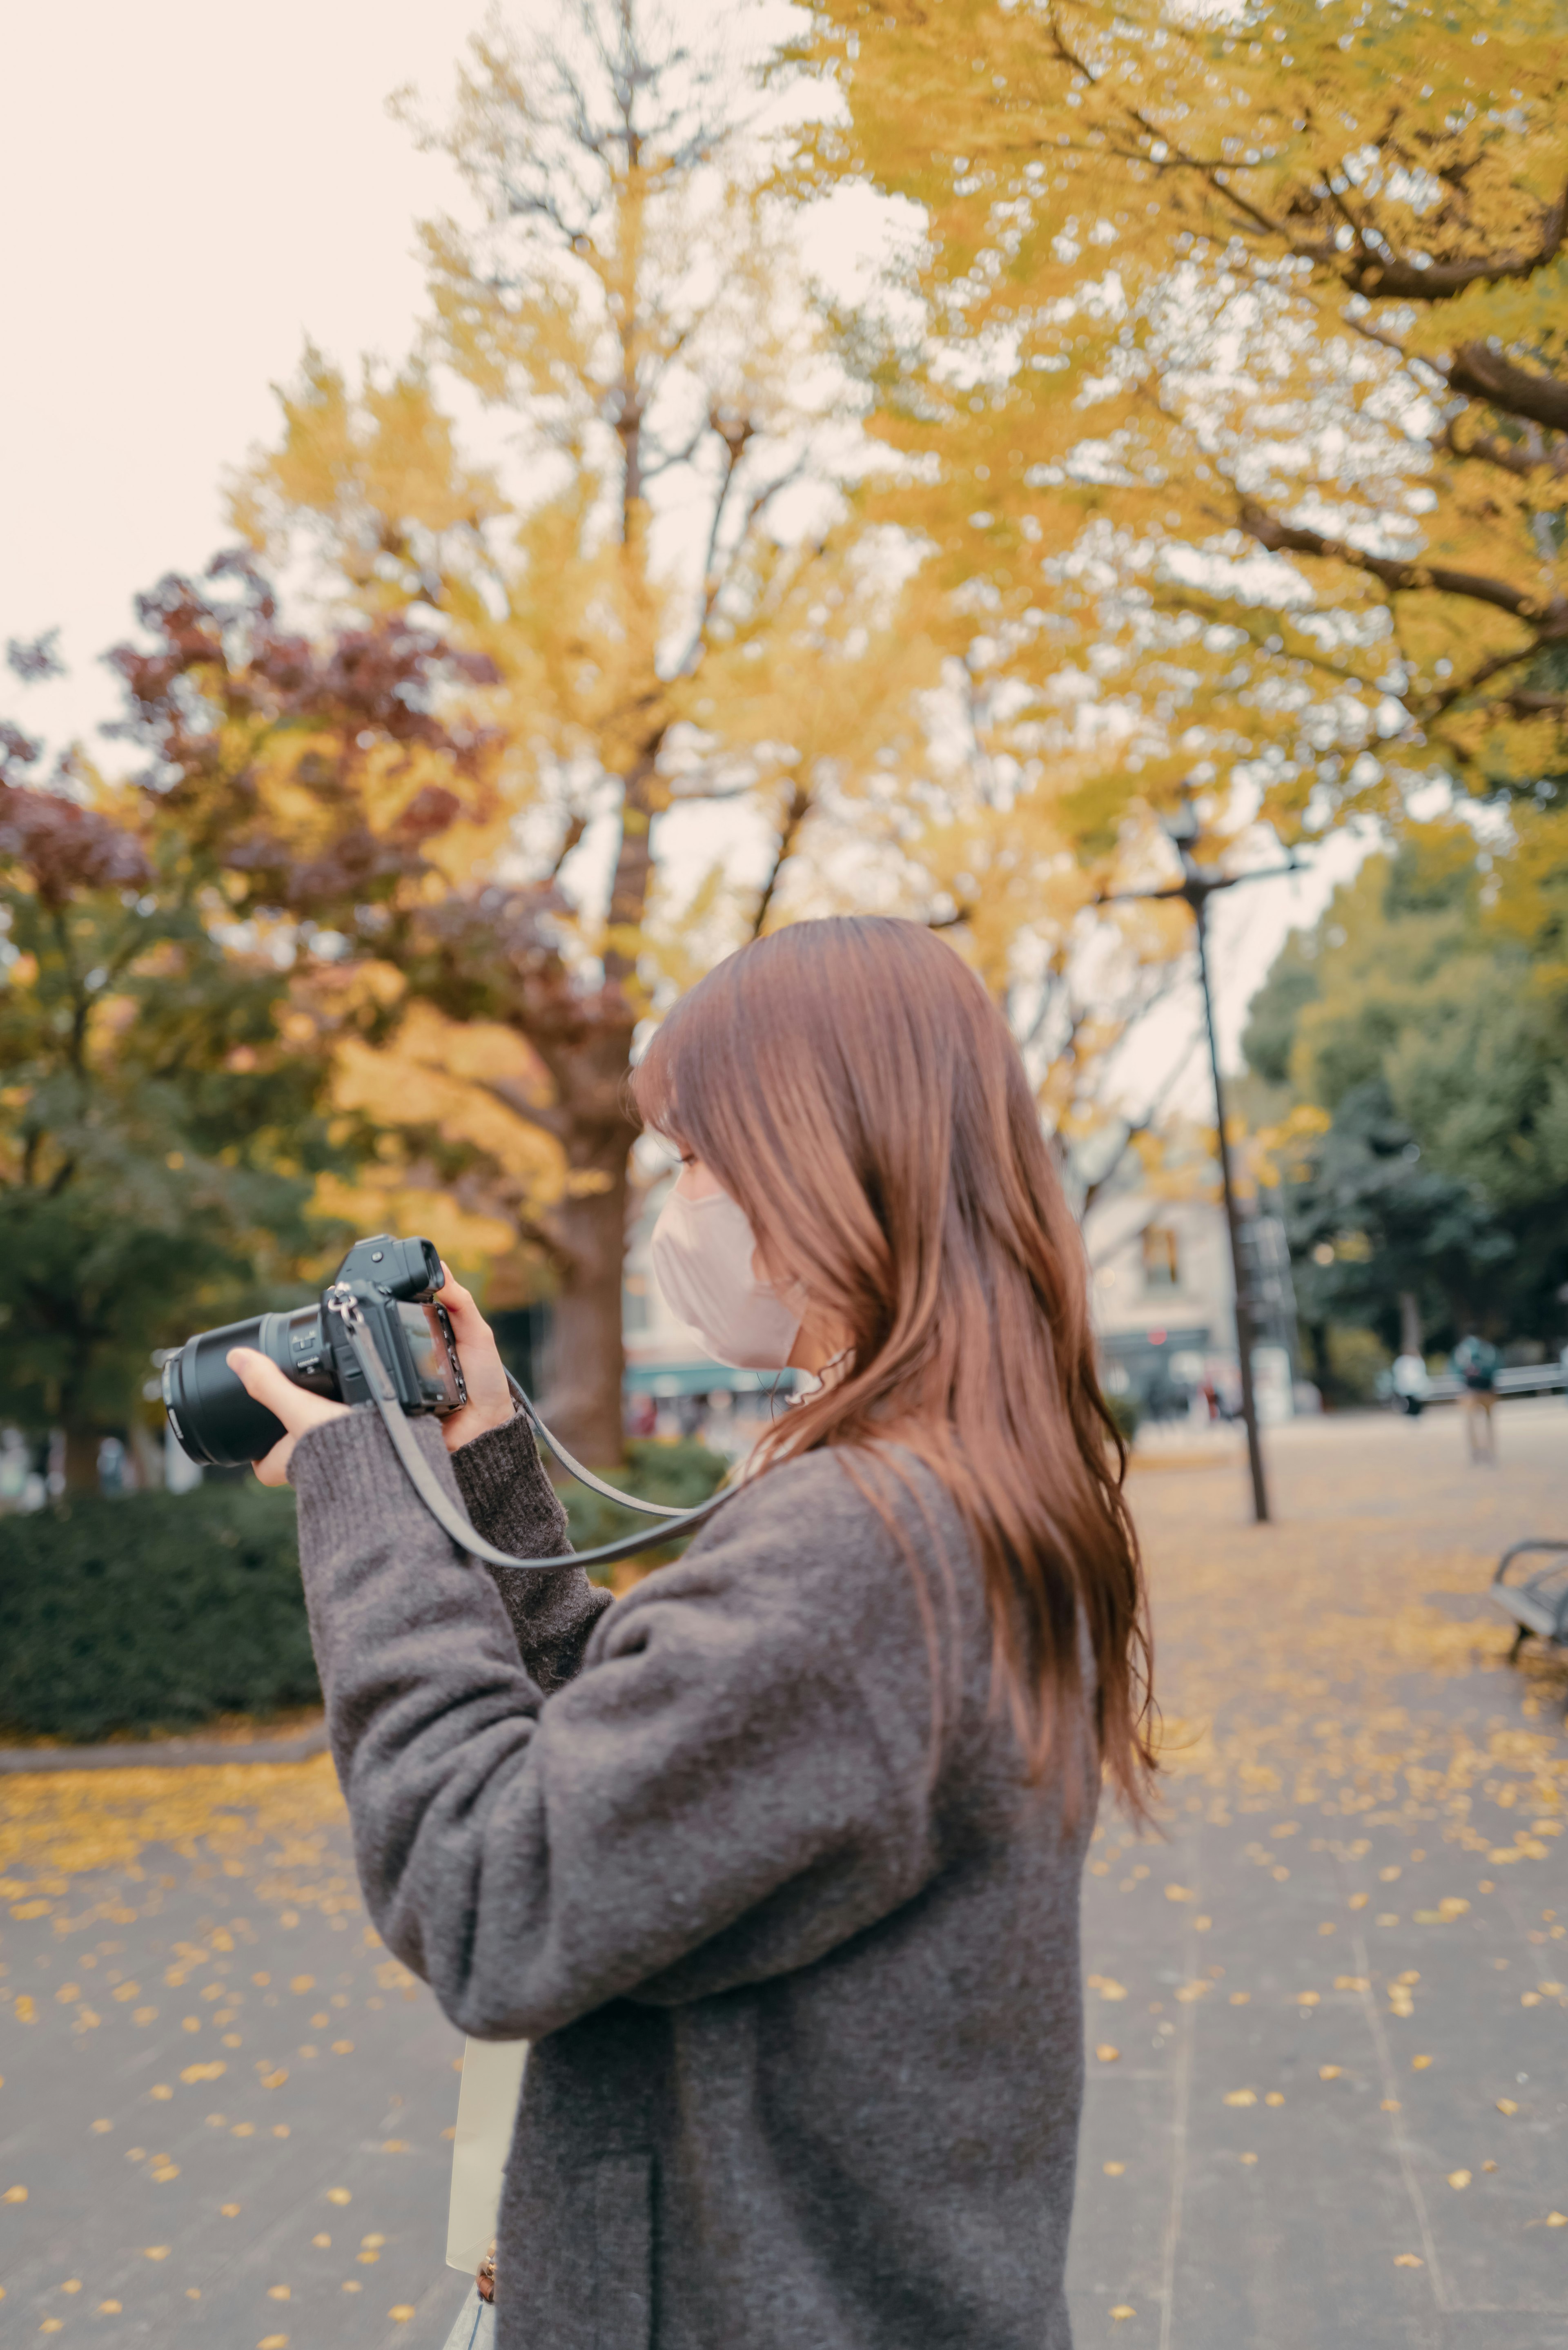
x: 512, y: 1502
x: 740, y: 1778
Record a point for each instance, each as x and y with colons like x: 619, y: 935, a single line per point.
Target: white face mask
x: 703, y: 1250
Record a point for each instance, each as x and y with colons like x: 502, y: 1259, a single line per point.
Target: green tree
x: 168, y: 982
x: 1422, y: 1019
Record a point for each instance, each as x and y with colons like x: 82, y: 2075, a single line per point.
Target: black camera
x: 392, y: 1282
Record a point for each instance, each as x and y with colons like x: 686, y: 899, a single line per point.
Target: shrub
x: 1356, y: 1356
x: 681, y: 1474
x: 154, y: 1612
x: 160, y: 1611
x: 1127, y: 1411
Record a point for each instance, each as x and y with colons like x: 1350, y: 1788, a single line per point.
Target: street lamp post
x: 1199, y: 883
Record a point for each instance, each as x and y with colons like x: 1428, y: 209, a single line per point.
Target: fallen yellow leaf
x: 1406, y: 2261
x: 1419, y: 2063
x: 1506, y: 2105
x: 1241, y: 2097
x: 1458, y: 2179
x: 1275, y: 2097
x: 402, y: 2313
x: 1122, y: 2309
x: 1328, y: 2072
x: 1114, y: 2170
x: 1106, y: 2053
x: 339, y: 2195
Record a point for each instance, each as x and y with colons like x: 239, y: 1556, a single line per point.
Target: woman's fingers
x: 467, y: 1321
x: 261, y: 1377
x: 295, y: 1406
x: 484, y: 1376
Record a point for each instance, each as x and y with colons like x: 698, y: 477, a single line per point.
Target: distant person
x: 1476, y: 1360
x: 691, y: 1415
x: 1411, y: 1384
x: 643, y: 1420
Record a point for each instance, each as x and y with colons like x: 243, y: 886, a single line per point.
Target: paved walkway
x: 1328, y: 2068
x: 1327, y: 2080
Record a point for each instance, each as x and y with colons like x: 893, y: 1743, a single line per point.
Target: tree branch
x: 548, y: 1118
x: 795, y: 815
x: 1523, y: 457
x: 1281, y: 538
x: 1385, y: 277
x: 1479, y: 372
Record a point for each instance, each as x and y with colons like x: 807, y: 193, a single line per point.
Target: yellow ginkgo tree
x: 1240, y: 368
x: 670, y: 580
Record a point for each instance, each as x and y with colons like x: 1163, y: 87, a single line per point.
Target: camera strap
x: 448, y: 1516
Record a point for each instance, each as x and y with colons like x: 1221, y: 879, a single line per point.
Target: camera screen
x: 429, y: 1335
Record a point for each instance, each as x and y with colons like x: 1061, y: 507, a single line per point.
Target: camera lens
x: 216, y: 1420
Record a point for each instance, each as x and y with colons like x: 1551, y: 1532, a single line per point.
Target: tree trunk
x: 585, y: 1362
x: 1410, y: 1323
x: 81, y: 1458
x: 1315, y: 1335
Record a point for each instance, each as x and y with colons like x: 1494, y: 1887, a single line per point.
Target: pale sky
x: 188, y: 192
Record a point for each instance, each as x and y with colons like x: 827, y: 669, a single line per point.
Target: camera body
x: 394, y: 1284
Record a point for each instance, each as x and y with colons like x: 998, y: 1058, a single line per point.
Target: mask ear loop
x: 343, y: 1302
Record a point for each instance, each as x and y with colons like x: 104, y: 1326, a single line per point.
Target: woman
x: 776, y: 1861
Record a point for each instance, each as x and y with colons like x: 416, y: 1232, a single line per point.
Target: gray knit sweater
x: 797, y: 1948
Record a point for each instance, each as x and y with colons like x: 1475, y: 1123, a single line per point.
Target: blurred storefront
x: 1164, y: 1305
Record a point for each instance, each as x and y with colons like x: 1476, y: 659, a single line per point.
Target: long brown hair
x: 852, y: 1087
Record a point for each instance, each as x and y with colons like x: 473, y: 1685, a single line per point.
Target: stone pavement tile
x: 227, y: 2105
x: 1351, y: 1949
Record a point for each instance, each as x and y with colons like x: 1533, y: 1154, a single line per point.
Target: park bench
x: 1538, y: 1602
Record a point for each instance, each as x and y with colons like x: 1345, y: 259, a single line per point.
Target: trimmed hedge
x: 161, y: 1610
x: 155, y: 1612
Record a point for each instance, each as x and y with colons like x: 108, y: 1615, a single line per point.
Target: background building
x: 1164, y: 1305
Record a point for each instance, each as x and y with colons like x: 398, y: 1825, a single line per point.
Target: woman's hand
x: 298, y: 1410
x: 489, y: 1401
